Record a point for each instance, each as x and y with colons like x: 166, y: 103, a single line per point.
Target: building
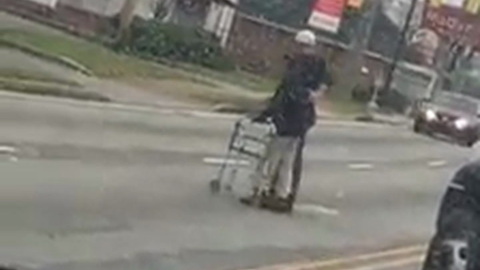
x: 88, y: 17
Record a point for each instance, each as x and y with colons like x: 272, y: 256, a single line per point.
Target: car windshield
x: 239, y: 134
x: 466, y: 81
x: 459, y: 103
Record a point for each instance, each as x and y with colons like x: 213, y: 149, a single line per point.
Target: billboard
x: 454, y: 20
x: 327, y: 15
x: 451, y: 22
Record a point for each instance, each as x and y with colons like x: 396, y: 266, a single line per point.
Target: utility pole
x: 399, y: 46
x: 375, y: 10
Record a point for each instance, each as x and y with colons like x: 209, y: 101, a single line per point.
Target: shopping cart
x: 247, y: 147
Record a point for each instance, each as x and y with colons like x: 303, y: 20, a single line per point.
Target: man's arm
x: 325, y: 83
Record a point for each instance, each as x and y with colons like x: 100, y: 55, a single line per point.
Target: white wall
x: 219, y: 21
x: 109, y: 7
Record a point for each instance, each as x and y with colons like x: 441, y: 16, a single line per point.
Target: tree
x: 126, y: 15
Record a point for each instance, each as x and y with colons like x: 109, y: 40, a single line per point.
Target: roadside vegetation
x: 186, y: 63
x: 97, y: 60
x: 101, y: 61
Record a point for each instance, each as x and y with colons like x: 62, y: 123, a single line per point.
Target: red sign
x: 453, y: 24
x: 327, y: 14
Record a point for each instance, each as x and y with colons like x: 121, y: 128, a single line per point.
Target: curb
x: 381, y: 120
x: 34, y: 88
x: 61, y: 60
x: 171, y: 110
x: 114, y: 105
x: 359, y: 121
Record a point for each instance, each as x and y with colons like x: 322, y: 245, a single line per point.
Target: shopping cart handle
x: 260, y: 119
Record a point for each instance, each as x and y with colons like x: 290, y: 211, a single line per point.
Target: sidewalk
x: 376, y: 115
x: 391, y: 119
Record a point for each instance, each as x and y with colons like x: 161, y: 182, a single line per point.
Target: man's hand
x: 259, y: 118
x: 323, y: 89
x: 319, y: 94
x: 316, y: 95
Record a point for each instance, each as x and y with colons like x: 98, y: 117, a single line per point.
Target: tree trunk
x: 127, y: 13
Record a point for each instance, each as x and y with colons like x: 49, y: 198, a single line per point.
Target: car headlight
x: 430, y: 115
x: 461, y: 123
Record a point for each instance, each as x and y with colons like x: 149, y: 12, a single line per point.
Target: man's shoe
x: 250, y: 200
x: 278, y: 205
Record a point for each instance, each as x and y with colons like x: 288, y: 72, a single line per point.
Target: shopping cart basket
x: 248, y: 146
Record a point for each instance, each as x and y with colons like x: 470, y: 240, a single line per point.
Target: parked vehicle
x: 455, y: 245
x: 451, y: 114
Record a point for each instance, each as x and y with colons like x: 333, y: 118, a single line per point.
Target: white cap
x: 365, y: 70
x: 306, y: 37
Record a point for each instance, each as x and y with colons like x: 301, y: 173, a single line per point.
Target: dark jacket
x: 291, y: 108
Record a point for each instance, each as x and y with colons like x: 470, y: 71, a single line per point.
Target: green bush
x: 154, y: 39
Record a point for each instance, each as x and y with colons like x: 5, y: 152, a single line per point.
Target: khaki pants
x: 276, y: 172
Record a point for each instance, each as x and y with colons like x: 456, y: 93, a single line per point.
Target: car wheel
x: 470, y: 142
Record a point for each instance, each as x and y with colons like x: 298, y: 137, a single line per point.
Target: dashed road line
x: 316, y: 209
x: 437, y: 163
x: 351, y: 166
x: 361, y: 166
x: 5, y: 149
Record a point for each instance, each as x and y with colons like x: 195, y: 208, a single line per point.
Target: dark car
x: 456, y: 243
x: 450, y: 114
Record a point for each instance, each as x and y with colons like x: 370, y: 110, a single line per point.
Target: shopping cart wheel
x: 215, y: 186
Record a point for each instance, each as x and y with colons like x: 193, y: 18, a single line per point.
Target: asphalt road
x: 93, y: 188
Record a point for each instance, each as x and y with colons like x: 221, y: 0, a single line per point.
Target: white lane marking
x: 361, y: 166
x: 5, y: 149
x: 437, y: 163
x: 316, y: 209
x: 219, y: 161
x: 14, y: 159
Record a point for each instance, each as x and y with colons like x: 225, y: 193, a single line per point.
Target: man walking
x: 292, y: 111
